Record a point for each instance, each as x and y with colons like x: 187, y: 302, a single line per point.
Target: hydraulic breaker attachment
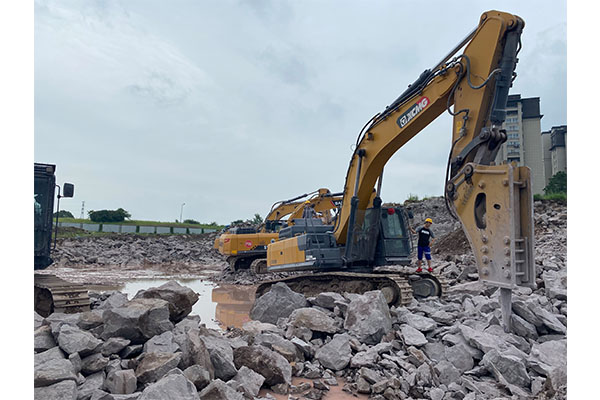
x: 502, y: 242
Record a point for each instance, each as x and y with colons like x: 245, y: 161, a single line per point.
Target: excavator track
x: 399, y: 289
x: 53, y: 294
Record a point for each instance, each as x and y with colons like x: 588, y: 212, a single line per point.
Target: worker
x: 309, y: 210
x: 424, y: 244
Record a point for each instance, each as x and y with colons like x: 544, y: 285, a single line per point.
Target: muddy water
x: 219, y: 306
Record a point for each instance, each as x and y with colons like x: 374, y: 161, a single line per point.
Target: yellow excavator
x: 246, y: 247
x: 493, y: 202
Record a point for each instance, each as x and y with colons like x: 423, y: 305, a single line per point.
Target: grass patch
x: 557, y: 197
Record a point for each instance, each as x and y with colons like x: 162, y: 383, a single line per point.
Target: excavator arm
x: 493, y: 203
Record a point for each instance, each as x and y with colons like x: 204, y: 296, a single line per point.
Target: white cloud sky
x: 230, y: 106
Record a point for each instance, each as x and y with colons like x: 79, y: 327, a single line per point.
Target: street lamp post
x: 181, y: 214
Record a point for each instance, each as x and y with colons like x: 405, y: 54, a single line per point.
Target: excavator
x: 51, y: 293
x: 492, y: 202
x: 246, y: 247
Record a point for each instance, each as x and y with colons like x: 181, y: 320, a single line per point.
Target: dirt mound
x: 452, y: 244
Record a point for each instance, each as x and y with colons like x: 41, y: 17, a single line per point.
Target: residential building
x: 524, y: 143
x: 554, y: 143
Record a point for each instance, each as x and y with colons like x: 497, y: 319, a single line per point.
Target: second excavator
x: 493, y: 202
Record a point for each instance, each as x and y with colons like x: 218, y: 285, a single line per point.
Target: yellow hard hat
x: 429, y: 220
x: 307, y: 202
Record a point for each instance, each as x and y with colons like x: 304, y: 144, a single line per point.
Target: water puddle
x: 219, y: 306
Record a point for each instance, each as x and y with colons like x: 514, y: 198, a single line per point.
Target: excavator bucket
x: 502, y: 241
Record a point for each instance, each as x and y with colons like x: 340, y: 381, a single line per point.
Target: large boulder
x: 268, y: 363
x: 550, y: 360
x: 507, y: 367
x: 155, y: 365
x: 74, y: 340
x: 121, y: 381
x: 114, y: 345
x: 313, y: 319
x: 198, y: 375
x: 275, y: 342
x: 93, y: 363
x: 423, y: 324
x: 92, y: 383
x: 247, y: 381
x: 221, y: 354
x: 193, y: 350
x: 279, y: 302
x: 368, y: 317
x: 219, y: 390
x: 412, y: 336
x: 53, y: 371
x: 64, y: 390
x: 173, y: 386
x: 138, y: 320
x: 180, y: 298
x: 163, y: 343
x: 336, y: 354
x: 43, y: 339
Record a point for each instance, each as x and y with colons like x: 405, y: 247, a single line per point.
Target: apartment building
x: 524, y: 143
x: 554, y: 143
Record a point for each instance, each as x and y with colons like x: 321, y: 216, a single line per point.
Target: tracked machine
x: 493, y: 202
x: 246, y: 247
x: 51, y: 293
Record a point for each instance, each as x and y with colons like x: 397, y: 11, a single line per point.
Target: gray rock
x: 57, y: 320
x: 446, y: 372
x: 550, y: 320
x: 198, y: 375
x: 53, y: 371
x: 364, y: 359
x: 43, y: 339
x: 54, y: 353
x: 155, y: 365
x: 170, y: 387
x: 114, y: 345
x: 307, y: 349
x: 193, y: 350
x: 257, y: 327
x: 131, y: 351
x: 550, y: 360
x: 419, y: 322
x: 555, y: 283
x: 117, y: 299
x: 487, y: 342
x: 137, y: 320
x: 435, y: 351
x: 91, y: 384
x: 248, y: 381
x: 522, y: 310
x: 443, y: 317
x: 64, y: 390
x: 275, y: 342
x: 272, y: 365
x: 368, y: 317
x: 219, y: 390
x: 313, y: 319
x: 162, y: 343
x: 328, y: 300
x: 38, y: 320
x: 336, y: 354
x: 121, y: 381
x: 76, y: 361
x: 523, y: 328
x: 277, y: 303
x: 221, y: 354
x: 94, y: 363
x: 507, y: 367
x: 89, y: 320
x: 459, y: 357
x: 74, y: 340
x: 180, y: 298
x: 413, y: 337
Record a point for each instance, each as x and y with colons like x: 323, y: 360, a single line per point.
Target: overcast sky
x: 228, y: 106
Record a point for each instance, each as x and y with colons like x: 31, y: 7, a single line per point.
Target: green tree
x: 63, y: 214
x: 117, y: 215
x: 257, y: 219
x: 557, y: 184
x: 191, y: 221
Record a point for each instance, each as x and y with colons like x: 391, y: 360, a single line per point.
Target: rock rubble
x: 449, y: 348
